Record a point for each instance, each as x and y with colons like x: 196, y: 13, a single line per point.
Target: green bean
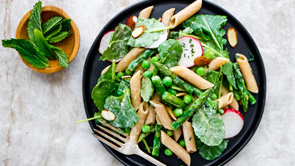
x: 132, y: 66
x: 157, y: 141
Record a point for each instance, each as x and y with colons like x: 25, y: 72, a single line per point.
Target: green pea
x: 188, y: 99
x: 172, y: 91
x: 200, y: 71
x: 128, y: 72
x: 178, y: 112
x: 168, y: 152
x: 119, y: 93
x: 120, y: 74
x: 155, y: 59
x: 182, y: 143
x: 145, y: 64
x: 147, y: 74
x: 214, y: 96
x: 221, y: 111
x: 169, y: 132
x: 167, y: 81
x: 146, y: 128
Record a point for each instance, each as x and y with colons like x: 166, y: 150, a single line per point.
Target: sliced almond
x: 126, y: 77
x: 131, y: 21
x: 108, y: 115
x: 180, y: 94
x: 232, y: 37
x: 138, y: 31
x: 201, y: 61
x: 171, y: 113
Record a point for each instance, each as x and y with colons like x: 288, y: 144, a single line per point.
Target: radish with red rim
x: 233, y: 122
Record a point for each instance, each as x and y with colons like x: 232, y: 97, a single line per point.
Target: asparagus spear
x: 242, y: 87
x: 169, y: 98
x: 157, y: 141
x: 252, y: 99
x: 132, y: 66
x: 142, y: 136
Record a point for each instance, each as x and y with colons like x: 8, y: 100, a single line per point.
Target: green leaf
x: 61, y: 56
x: 118, y: 47
x: 51, y: 24
x: 34, y: 20
x: 42, y: 44
x: 126, y: 116
x: 147, y: 38
x: 107, y: 75
x: 102, y: 91
x: 170, y: 48
x: 212, y: 76
x: 228, y: 71
x: 28, y: 51
x: 124, y: 84
x: 66, y: 24
x: 53, y: 32
x: 59, y: 37
x: 147, y: 89
x: 211, y: 51
x: 212, y: 152
x: 210, y: 130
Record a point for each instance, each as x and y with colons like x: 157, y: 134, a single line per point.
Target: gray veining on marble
x: 38, y: 111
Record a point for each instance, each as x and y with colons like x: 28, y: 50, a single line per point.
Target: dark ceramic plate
x: 93, y: 68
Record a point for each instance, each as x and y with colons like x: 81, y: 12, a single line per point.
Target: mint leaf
x: 66, y: 24
x: 53, y: 32
x: 42, y: 44
x: 34, y: 20
x: 61, y: 56
x: 59, y: 37
x: 51, y: 24
x: 28, y: 51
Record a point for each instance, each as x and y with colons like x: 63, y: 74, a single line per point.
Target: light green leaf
x: 212, y: 152
x: 59, y: 37
x: 147, y: 89
x: 42, y: 44
x: 170, y: 48
x: 34, y: 20
x: 61, y: 56
x: 53, y: 32
x: 51, y: 24
x: 124, y: 84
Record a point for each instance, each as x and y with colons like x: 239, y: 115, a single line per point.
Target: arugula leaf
x: 51, y: 24
x: 28, y: 51
x: 126, y: 116
x: 147, y: 38
x: 118, y: 47
x: 147, y: 89
x: 124, y: 84
x: 170, y: 48
x: 34, y: 20
x: 211, y: 51
x: 66, y: 24
x: 43, y: 45
x: 53, y: 32
x: 61, y: 56
x: 210, y: 130
x: 212, y: 152
x: 228, y: 71
x: 59, y: 37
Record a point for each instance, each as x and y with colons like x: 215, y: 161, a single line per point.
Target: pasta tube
x: 162, y: 114
x: 191, y: 77
x: 135, y: 87
x: 156, y: 97
x: 136, y: 130
x: 186, y: 13
x: 234, y: 104
x: 175, y: 148
x: 177, y: 134
x: 217, y: 63
x: 225, y: 100
x: 247, y: 73
x: 167, y: 16
x: 189, y: 137
x: 151, y: 117
x: 128, y: 58
x: 145, y: 13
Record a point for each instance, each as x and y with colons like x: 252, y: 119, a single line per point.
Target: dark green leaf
x: 107, y: 75
x: 42, y: 44
x: 147, y: 89
x: 34, y: 20
x: 212, y: 152
x: 53, y: 32
x: 61, y: 56
x: 28, y: 51
x: 170, y: 48
x: 51, y: 24
x: 66, y: 24
x: 212, y: 76
x: 227, y: 69
x: 59, y: 37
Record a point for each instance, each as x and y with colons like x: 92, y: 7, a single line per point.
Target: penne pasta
x: 225, y: 100
x: 189, y: 137
x: 247, y: 73
x: 186, y: 13
x: 217, y: 63
x: 156, y: 97
x: 128, y: 58
x: 167, y: 15
x: 191, y: 77
x: 145, y: 13
x: 234, y: 104
x: 139, y: 68
x: 175, y: 148
x: 158, y: 120
x: 151, y: 117
x: 135, y: 87
x: 177, y: 134
x: 162, y: 114
x: 105, y: 69
x: 136, y: 130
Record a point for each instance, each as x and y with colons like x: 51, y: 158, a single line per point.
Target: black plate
x: 252, y: 118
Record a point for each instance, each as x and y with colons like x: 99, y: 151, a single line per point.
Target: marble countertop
x: 38, y: 111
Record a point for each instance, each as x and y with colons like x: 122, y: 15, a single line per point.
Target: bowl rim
x: 76, y: 34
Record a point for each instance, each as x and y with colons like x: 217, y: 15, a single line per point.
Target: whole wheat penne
x: 191, y: 77
x: 162, y: 114
x: 158, y: 120
x: 156, y: 97
x: 128, y: 58
x: 146, y: 12
x: 175, y: 148
x: 167, y: 15
x: 186, y: 13
x: 189, y: 137
x: 136, y: 130
x: 151, y: 117
x: 139, y: 68
x: 105, y: 69
x: 234, y: 104
x: 177, y: 134
x: 135, y: 87
x: 217, y: 63
x: 225, y: 100
x: 247, y: 73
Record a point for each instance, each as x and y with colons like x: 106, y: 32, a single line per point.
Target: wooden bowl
x: 69, y: 45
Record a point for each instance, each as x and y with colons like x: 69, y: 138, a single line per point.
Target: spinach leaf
x: 228, y: 71
x: 61, y: 56
x: 126, y: 116
x: 170, y: 48
x: 124, y: 84
x: 212, y: 152
x: 28, y: 51
x: 43, y: 45
x: 59, y: 37
x: 147, y: 38
x: 118, y: 47
x: 34, y: 20
x: 147, y: 89
x: 212, y: 76
x: 107, y: 75
x: 210, y: 130
x: 51, y: 24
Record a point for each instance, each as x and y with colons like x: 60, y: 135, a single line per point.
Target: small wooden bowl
x: 69, y: 45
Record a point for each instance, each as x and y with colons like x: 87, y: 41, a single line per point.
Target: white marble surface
x: 38, y: 111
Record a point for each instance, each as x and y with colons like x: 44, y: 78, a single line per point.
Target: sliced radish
x: 105, y: 41
x: 163, y: 37
x: 192, y: 48
x: 233, y: 122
